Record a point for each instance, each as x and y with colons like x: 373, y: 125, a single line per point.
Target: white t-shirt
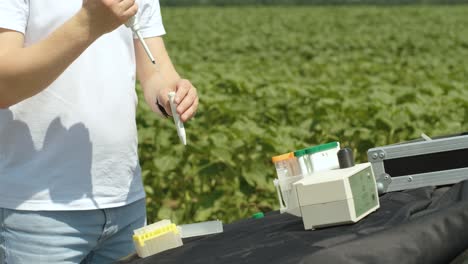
x: 74, y: 145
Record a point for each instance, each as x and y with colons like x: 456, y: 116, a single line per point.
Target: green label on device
x: 363, y: 190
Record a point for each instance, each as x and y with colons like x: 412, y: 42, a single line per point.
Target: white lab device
x: 133, y: 24
x: 335, y: 197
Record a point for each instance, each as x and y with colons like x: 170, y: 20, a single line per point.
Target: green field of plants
x: 276, y: 79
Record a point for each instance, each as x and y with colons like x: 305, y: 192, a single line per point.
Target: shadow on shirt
x: 60, y: 169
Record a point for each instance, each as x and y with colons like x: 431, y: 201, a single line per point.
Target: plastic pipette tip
x: 145, y: 46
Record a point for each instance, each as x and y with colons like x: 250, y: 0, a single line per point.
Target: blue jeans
x: 91, y: 236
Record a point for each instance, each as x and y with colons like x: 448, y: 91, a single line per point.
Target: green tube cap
x: 258, y: 215
x: 299, y: 153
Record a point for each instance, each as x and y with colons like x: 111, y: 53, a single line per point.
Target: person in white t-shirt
x: 70, y: 181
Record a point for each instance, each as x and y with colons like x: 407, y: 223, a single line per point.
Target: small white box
x: 337, y: 197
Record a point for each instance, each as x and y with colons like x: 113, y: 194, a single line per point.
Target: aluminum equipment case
x: 422, y: 162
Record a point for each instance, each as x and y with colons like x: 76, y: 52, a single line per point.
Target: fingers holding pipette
x: 104, y: 16
x: 186, y: 100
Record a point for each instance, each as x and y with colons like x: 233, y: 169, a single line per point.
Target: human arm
x: 26, y: 71
x: 157, y: 81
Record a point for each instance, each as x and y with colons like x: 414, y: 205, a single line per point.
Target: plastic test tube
x: 287, y: 170
x: 308, y: 152
x: 300, y: 154
x: 284, y: 165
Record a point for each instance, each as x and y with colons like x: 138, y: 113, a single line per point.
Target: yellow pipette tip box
x: 157, y: 237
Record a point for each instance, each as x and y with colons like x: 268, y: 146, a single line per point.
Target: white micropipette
x: 135, y: 26
x: 177, y: 121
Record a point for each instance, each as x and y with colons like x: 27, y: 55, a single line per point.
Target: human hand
x: 186, y: 100
x: 104, y: 16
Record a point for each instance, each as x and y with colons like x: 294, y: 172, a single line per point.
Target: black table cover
x: 425, y: 225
